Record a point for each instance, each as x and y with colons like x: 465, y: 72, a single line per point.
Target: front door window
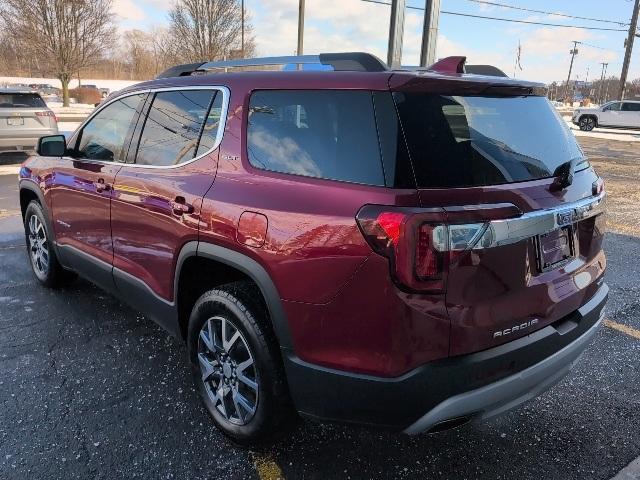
x: 104, y: 137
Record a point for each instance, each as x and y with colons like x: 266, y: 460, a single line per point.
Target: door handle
x: 101, y: 186
x: 180, y: 206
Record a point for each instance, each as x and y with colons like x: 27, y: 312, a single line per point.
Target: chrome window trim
x: 226, y: 94
x: 512, y: 230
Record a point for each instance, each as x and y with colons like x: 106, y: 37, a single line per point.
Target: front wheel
x: 42, y: 255
x: 587, y: 123
x: 237, y: 365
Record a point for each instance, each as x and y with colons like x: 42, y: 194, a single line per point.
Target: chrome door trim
x: 226, y: 94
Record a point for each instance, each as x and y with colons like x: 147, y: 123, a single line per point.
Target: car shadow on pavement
x: 90, y: 386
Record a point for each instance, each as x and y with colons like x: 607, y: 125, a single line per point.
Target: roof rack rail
x: 351, y: 62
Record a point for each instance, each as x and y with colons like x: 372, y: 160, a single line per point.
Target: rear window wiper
x: 564, y: 174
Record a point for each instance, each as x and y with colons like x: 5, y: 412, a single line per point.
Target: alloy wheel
x: 228, y: 370
x: 587, y: 124
x: 38, y: 247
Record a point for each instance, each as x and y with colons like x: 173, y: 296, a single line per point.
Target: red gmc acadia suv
x: 333, y: 237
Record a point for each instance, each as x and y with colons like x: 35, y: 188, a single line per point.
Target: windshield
x: 474, y: 141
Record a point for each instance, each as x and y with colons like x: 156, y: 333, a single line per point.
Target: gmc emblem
x: 566, y: 217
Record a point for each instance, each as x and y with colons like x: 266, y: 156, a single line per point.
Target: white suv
x: 624, y: 114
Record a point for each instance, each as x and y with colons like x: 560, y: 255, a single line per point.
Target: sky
x: 356, y: 25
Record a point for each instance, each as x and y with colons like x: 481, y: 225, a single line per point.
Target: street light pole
x: 300, y: 27
x: 430, y: 32
x: 242, y: 36
x: 396, y: 30
x: 573, y: 52
x: 629, y: 48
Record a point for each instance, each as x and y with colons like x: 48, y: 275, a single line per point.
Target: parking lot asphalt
x: 89, y: 388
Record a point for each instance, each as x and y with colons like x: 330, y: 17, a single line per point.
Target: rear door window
x: 211, y: 129
x: 328, y: 134
x: 459, y: 141
x: 631, y: 107
x: 173, y: 126
x: 21, y: 100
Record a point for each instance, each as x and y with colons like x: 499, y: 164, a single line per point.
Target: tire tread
x: 246, y: 297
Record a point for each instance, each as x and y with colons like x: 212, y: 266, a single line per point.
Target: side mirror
x: 52, y: 146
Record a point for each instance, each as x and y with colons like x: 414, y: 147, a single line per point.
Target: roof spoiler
x: 449, y: 65
x: 458, y: 64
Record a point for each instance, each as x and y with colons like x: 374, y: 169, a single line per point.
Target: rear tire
x: 40, y: 249
x: 237, y: 365
x: 587, y: 123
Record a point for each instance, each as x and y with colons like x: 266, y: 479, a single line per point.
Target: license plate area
x: 15, y: 122
x: 555, y: 248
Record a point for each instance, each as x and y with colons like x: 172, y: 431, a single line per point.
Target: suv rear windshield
x: 474, y: 141
x: 21, y: 100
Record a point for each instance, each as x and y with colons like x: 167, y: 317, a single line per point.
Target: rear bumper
x: 479, y: 385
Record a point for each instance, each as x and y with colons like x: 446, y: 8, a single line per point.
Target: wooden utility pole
x: 396, y: 31
x: 601, y: 89
x: 573, y: 52
x: 629, y: 48
x: 430, y: 32
x: 300, y: 27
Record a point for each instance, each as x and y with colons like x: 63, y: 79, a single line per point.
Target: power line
x: 532, y: 22
x: 595, y: 46
x: 459, y: 14
x: 513, y: 7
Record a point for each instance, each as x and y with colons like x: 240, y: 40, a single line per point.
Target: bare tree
x: 138, y: 50
x: 208, y: 29
x: 68, y: 35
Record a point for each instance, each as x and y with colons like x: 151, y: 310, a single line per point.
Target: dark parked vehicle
x: 45, y: 89
x: 356, y: 244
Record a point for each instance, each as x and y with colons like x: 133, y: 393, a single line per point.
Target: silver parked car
x: 24, y: 118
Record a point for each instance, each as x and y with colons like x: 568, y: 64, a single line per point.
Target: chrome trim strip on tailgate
x: 512, y: 230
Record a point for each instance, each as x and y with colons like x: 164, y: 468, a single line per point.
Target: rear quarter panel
x: 343, y: 309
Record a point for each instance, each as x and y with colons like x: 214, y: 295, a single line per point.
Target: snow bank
x: 112, y: 85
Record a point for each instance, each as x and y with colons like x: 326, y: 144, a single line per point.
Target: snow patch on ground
x: 67, y: 128
x: 606, y: 133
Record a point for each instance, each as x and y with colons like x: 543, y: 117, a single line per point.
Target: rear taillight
x: 390, y: 223
x: 47, y: 113
x: 404, y: 236
x: 429, y: 262
x: 597, y: 187
x: 422, y: 244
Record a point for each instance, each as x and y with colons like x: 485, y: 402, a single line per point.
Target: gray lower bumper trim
x: 509, y: 392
